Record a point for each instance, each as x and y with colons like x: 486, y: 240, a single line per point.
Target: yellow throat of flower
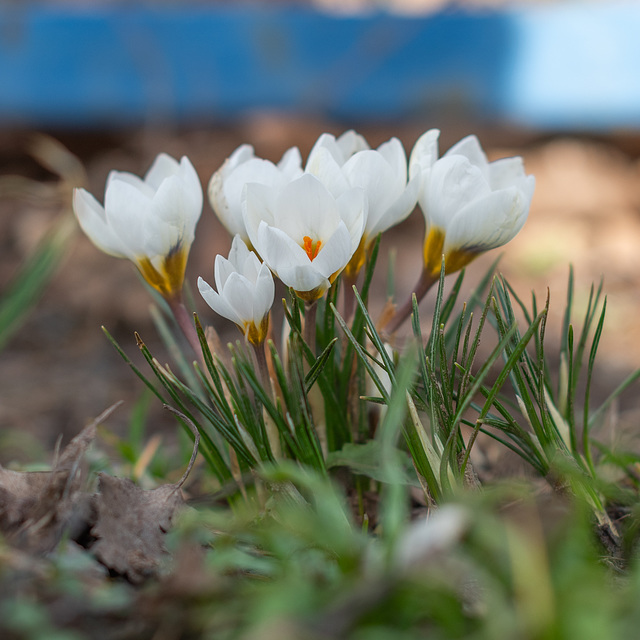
x: 256, y: 335
x: 454, y: 260
x: 357, y: 260
x: 169, y: 278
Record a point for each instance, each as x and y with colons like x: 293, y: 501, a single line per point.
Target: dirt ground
x: 59, y: 371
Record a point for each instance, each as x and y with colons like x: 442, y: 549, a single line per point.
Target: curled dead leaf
x: 131, y: 522
x: 37, y: 508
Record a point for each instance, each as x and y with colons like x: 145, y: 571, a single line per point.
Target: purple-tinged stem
x: 261, y: 359
x: 185, y: 322
x: 426, y: 281
x: 349, y: 298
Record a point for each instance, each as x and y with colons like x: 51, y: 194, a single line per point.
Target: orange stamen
x: 312, y: 251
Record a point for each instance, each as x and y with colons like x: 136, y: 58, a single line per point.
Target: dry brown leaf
x: 36, y: 508
x: 131, y: 522
x: 130, y: 526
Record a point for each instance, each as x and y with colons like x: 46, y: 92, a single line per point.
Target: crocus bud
x: 150, y: 221
x: 470, y: 205
x: 245, y: 291
x: 226, y: 184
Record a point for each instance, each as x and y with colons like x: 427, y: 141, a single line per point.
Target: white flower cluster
x: 307, y: 224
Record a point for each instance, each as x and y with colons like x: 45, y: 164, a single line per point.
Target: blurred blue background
x: 559, y: 66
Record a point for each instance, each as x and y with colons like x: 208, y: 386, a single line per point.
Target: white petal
x: 243, y: 261
x: 452, y: 183
x: 217, y: 303
x: 239, y: 293
x: 424, y: 152
x: 470, y: 148
x: 371, y: 172
x: 354, y: 208
x: 393, y: 152
x: 129, y: 214
x: 227, y: 184
x: 334, y: 253
x: 254, y: 170
x: 174, y: 206
x: 277, y: 248
x: 288, y: 260
x: 131, y: 179
x: 258, y: 203
x: 323, y: 166
x: 192, y: 185
x: 222, y: 269
x: 231, y: 219
x: 91, y: 217
x: 238, y: 253
x: 303, y: 278
x: 251, y: 267
x: 328, y: 142
x: 350, y: 143
x: 489, y: 222
x: 264, y: 294
x: 179, y: 205
x: 241, y: 155
x: 290, y: 164
x: 304, y: 207
x: 398, y: 211
x: 510, y: 172
x: 163, y: 167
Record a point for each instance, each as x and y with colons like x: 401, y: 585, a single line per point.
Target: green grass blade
x: 319, y: 365
x: 364, y: 356
x: 28, y: 285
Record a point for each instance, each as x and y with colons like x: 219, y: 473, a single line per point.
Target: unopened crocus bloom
x: 245, y: 291
x: 303, y: 233
x: 381, y: 173
x: 341, y: 148
x: 150, y: 221
x: 226, y: 184
x: 470, y: 205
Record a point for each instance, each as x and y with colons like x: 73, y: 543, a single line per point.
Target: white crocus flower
x: 242, y: 167
x: 303, y: 233
x: 380, y: 173
x: 470, y: 205
x: 342, y: 148
x: 151, y: 222
x: 245, y: 291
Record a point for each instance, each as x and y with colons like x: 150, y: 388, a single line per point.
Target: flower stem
x: 349, y: 297
x: 310, y: 324
x: 185, y: 322
x: 273, y: 435
x: 261, y: 358
x: 426, y: 281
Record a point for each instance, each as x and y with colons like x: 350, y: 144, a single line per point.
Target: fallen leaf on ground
x: 131, y: 522
x: 37, y: 508
x: 130, y: 526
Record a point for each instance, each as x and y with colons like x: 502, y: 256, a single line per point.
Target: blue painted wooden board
x: 563, y: 66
